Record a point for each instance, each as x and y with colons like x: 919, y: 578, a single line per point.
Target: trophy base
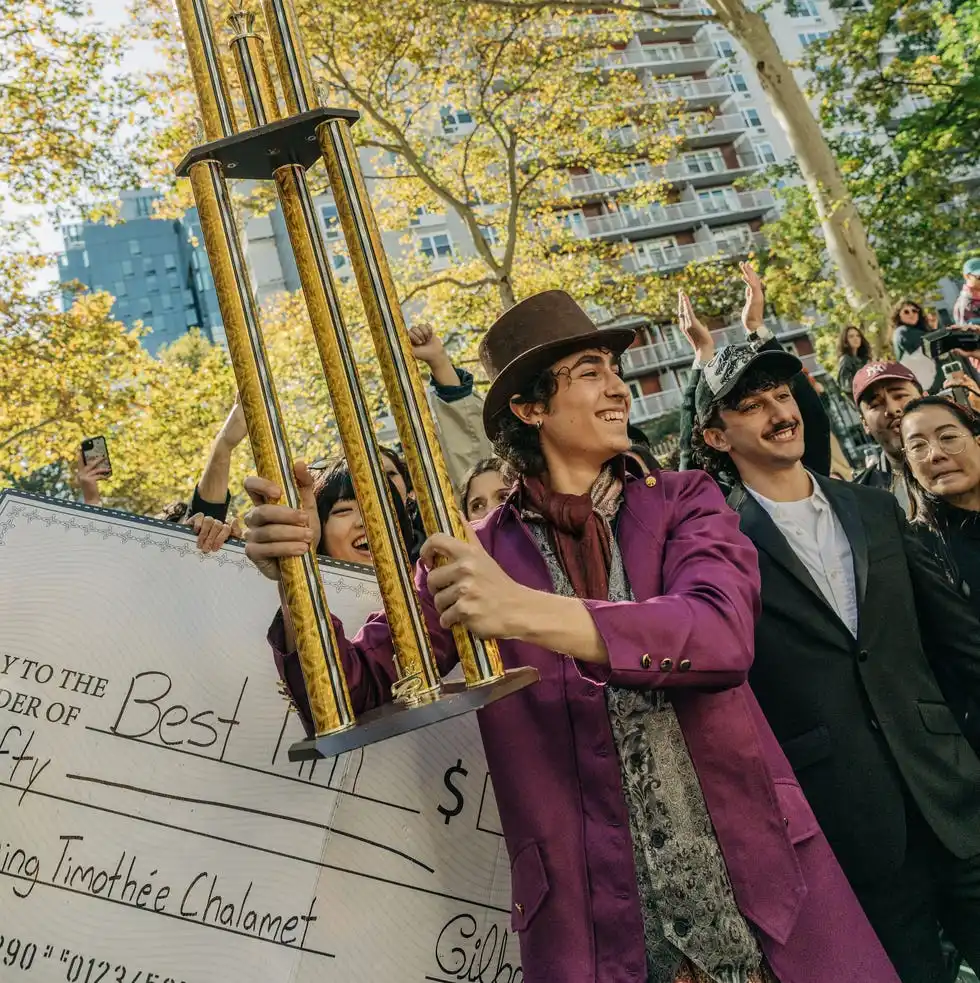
x: 256, y: 154
x: 393, y: 719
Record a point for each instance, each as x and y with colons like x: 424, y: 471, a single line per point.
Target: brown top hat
x: 530, y: 337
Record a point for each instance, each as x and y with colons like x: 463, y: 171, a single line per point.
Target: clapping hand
x: 696, y: 333
x: 753, y: 313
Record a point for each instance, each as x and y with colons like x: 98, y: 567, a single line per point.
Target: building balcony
x: 666, y: 59
x: 699, y: 174
x: 721, y: 129
x: 644, y: 359
x: 668, y: 257
x: 656, y: 404
x: 653, y: 27
x: 740, y: 205
x: 696, y: 93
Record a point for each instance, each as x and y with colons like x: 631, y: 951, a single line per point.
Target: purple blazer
x: 556, y: 771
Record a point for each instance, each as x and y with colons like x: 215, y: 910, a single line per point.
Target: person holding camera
x: 966, y: 310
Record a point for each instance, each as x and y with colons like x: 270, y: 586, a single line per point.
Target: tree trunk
x: 506, y: 291
x: 847, y: 241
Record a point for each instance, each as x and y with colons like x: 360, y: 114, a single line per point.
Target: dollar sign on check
x: 452, y: 774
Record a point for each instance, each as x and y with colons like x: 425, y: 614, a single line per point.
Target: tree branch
x: 487, y: 281
x: 588, y: 6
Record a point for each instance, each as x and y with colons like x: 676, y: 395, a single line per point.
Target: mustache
x: 780, y: 427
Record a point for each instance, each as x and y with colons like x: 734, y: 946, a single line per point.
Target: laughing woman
x: 655, y: 829
x: 941, y: 441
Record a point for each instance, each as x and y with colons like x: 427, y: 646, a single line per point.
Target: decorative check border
x: 150, y: 533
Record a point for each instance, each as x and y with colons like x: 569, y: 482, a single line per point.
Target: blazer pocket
x: 807, y: 749
x: 937, y: 718
x: 528, y: 885
x: 800, y: 821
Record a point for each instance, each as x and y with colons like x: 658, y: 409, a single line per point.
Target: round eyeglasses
x: 919, y: 449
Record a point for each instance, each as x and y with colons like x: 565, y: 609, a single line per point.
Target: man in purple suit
x: 655, y: 829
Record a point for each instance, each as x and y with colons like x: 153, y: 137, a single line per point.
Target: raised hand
x: 233, y: 431
x: 89, y: 475
x: 696, y: 333
x: 754, y: 311
x: 276, y: 531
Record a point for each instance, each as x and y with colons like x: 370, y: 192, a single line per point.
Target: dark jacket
x: 816, y: 424
x: 881, y: 475
x: 863, y: 721
x: 847, y: 368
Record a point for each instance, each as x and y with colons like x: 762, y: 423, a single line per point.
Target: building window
x: 72, y: 233
x: 574, y: 221
x: 119, y: 288
x: 640, y: 170
x: 149, y: 264
x: 144, y: 307
x: 636, y: 390
x: 490, y: 235
x: 190, y: 318
x: 704, y: 162
x: 765, y: 152
x: 173, y: 281
x: 751, y: 117
x: 134, y: 247
x: 725, y: 48
x: 121, y: 305
x: 802, y: 8
x: 438, y: 246
x: 63, y: 259
x: 168, y: 302
x: 455, y: 120
x: 331, y: 221
x: 151, y: 284
x: 85, y: 258
x: 656, y: 253
x: 127, y: 267
x: 733, y: 240
x: 716, y: 200
x: 169, y: 262
x: 188, y: 298
x: 340, y: 263
x: 737, y: 83
x: 144, y: 206
x: 199, y: 282
x: 812, y: 37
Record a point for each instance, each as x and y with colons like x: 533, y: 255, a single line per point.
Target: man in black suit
x: 851, y: 603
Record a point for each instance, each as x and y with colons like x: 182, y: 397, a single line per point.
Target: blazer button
x: 682, y: 926
x: 519, y: 907
x: 646, y: 661
x: 863, y: 655
x: 650, y: 481
x: 666, y: 665
x: 684, y: 665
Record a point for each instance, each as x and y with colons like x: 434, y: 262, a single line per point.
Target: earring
x: 539, y: 424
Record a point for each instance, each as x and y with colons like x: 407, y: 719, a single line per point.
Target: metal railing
x: 679, y: 170
x: 674, y: 257
x: 649, y: 358
x: 656, y: 404
x: 690, y: 89
x: 691, y: 212
x: 654, y: 55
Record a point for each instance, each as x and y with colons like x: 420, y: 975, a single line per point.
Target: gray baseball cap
x: 723, y: 371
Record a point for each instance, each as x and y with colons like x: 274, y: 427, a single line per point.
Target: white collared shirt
x: 816, y: 536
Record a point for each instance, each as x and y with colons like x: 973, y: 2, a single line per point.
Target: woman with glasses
x: 941, y: 441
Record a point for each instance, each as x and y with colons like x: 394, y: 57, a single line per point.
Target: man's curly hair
x: 718, y: 463
x: 517, y: 443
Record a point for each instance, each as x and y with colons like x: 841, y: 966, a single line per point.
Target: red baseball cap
x: 875, y: 372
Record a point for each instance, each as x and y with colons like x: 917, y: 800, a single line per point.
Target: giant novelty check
x: 152, y: 828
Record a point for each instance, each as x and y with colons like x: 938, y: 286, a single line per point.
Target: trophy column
x: 316, y: 642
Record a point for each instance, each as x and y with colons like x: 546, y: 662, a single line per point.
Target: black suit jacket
x: 863, y: 721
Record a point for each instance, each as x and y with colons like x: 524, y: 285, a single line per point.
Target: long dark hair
x: 930, y: 509
x: 334, y: 484
x: 897, y: 321
x: 485, y: 466
x: 864, y: 349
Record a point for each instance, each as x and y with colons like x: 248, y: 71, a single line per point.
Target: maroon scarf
x: 580, y: 535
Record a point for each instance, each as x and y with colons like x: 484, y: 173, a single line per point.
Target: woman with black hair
x: 343, y: 536
x: 941, y: 441
x: 853, y: 351
x: 909, y: 327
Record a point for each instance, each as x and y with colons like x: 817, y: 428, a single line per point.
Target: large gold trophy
x: 280, y: 149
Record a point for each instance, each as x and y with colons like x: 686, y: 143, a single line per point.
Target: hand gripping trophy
x: 281, y: 148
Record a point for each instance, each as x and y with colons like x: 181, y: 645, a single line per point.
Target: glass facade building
x: 156, y: 269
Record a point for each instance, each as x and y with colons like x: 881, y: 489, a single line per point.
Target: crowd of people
x: 754, y: 750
